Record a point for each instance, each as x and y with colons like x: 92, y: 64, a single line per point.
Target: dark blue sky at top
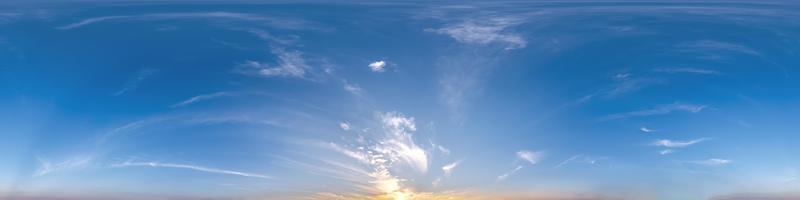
x: 630, y: 100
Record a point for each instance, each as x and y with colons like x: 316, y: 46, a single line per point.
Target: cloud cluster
x: 491, y: 31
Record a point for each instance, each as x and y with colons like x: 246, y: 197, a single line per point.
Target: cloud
x: 646, y: 130
x: 400, y: 141
x: 353, y: 88
x: 47, y: 167
x: 532, y: 157
x: 377, y: 66
x: 710, y: 47
x: 189, y: 167
x: 577, y: 159
x: 688, y: 70
x: 384, y: 157
x: 447, y: 169
x: 134, y: 83
x: 506, y: 175
x: 491, y: 31
x: 677, y: 144
x: 201, y: 97
x: 290, y: 64
x: 281, y: 23
x: 711, y: 162
x: 666, y: 151
x: 658, y: 110
x: 344, y: 126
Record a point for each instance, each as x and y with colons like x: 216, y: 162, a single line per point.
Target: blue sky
x: 396, y: 100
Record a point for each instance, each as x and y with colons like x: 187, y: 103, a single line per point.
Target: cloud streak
x: 677, y: 144
x: 202, y: 97
x: 282, y: 23
x: 190, y: 167
x: 503, y: 177
x: 658, y: 110
x: 532, y: 157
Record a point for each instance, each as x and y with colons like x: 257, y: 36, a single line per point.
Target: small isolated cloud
x: 646, y: 130
x: 344, y: 125
x: 447, y: 169
x: 688, y: 70
x: 666, y: 151
x: 506, y: 175
x: 658, y: 110
x: 48, y: 167
x: 532, y: 157
x: 377, y: 66
x: 492, y: 31
x: 201, y: 97
x: 712, y: 162
x: 677, y: 143
x: 189, y: 167
x: 290, y: 64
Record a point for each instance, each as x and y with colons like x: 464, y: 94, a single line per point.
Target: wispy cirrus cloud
x: 677, y: 143
x: 447, y: 169
x: 190, y: 167
x: 202, y: 97
x: 646, y: 130
x: 290, y: 64
x: 532, y: 157
x: 381, y: 157
x: 711, y: 162
x: 47, y: 167
x: 353, y: 88
x: 658, y: 110
x: 135, y: 82
x: 485, y: 32
x: 577, y: 159
x: 503, y: 177
x: 277, y: 22
x: 688, y: 70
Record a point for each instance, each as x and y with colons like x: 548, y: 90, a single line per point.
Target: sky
x: 399, y: 100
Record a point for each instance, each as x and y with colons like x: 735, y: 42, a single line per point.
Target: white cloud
x: 666, y: 151
x: 677, y: 144
x: 712, y: 162
x: 400, y: 142
x: 47, y: 167
x: 290, y: 64
x: 688, y: 70
x: 506, y: 175
x: 577, y: 159
x: 658, y: 110
x: 443, y: 150
x: 646, y: 130
x: 383, y: 156
x: 344, y: 126
x: 276, y: 22
x: 352, y: 88
x: 447, y: 169
x: 134, y: 83
x: 377, y: 66
x: 532, y: 157
x: 190, y: 167
x: 492, y: 31
x: 201, y: 97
